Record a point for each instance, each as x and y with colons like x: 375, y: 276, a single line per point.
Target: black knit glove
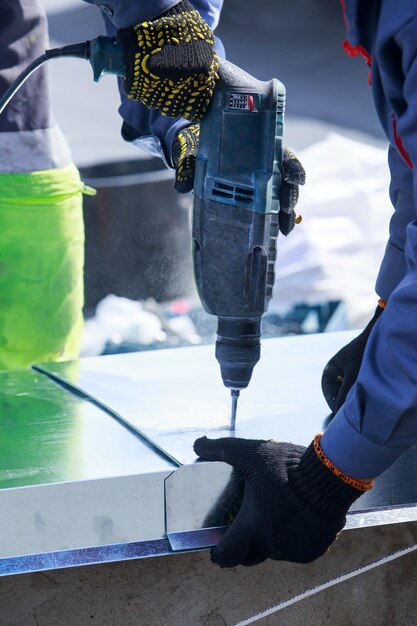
x: 293, y: 175
x: 293, y: 505
x: 170, y: 62
x: 341, y: 372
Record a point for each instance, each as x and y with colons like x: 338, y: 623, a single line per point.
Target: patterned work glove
x: 170, y: 62
x: 184, y: 153
x: 294, y: 504
x: 341, y: 372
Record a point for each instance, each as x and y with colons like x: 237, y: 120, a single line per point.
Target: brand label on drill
x: 241, y: 101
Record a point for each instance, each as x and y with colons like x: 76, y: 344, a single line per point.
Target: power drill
x: 236, y: 215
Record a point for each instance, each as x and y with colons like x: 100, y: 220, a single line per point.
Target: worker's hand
x: 170, y: 62
x: 342, y: 370
x: 293, y: 175
x: 184, y: 153
x: 293, y: 505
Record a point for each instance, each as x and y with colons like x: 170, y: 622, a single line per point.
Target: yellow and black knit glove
x: 184, y: 153
x: 170, y: 62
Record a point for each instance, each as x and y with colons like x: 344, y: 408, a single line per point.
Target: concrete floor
x: 187, y: 590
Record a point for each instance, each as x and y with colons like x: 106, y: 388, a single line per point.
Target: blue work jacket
x: 378, y: 421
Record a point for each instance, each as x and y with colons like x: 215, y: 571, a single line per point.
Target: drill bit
x: 235, y: 396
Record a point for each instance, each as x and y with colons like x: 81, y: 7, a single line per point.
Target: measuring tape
x: 323, y: 586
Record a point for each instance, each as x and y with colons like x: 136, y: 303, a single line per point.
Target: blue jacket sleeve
x: 378, y: 421
x: 125, y: 13
x: 210, y: 10
x: 393, y: 266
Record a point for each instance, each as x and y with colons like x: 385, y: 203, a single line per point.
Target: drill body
x: 236, y: 210
x: 236, y: 214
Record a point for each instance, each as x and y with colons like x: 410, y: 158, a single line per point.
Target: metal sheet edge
x: 399, y: 514
x: 175, y: 543
x: 83, y: 556
x: 196, y: 539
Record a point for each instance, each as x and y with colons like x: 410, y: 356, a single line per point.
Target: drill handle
x: 233, y: 77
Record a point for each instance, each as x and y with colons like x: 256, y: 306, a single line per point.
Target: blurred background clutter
x: 139, y: 285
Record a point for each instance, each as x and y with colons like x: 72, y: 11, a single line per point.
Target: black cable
x: 78, y: 50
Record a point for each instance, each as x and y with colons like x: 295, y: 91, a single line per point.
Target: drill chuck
x: 238, y: 349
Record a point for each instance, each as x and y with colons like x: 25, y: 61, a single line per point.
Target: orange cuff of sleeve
x: 353, y: 482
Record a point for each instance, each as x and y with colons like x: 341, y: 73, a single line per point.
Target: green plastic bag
x: 41, y: 267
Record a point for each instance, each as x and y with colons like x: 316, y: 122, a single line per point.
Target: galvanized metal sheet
x: 49, y: 435
x: 71, y: 477
x: 175, y: 396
